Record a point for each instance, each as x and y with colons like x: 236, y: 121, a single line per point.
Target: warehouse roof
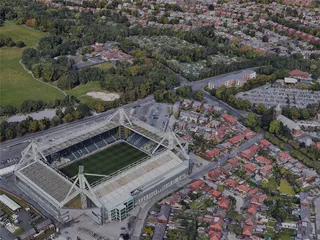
x: 9, y: 202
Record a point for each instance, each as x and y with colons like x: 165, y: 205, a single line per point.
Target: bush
x: 20, y: 44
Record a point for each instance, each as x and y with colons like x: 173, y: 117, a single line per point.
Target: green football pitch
x: 106, y: 161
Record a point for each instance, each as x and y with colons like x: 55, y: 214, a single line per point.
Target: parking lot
x: 271, y: 96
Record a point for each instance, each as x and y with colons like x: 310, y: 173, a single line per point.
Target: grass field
x: 104, y: 66
x: 81, y: 90
x: 286, y: 188
x: 106, y: 161
x: 16, y: 85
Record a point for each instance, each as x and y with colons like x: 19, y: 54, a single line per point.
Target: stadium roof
x: 45, y: 180
x: 146, y: 130
x: 140, y: 177
x: 49, y: 146
x: 9, y: 202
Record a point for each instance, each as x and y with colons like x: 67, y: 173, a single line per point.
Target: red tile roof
x: 265, y: 170
x: 197, y: 185
x: 299, y: 73
x: 249, y: 220
x: 247, y: 230
x: 212, y: 153
x: 215, y: 193
x: 264, y: 160
x: 214, y: 173
x: 222, y: 130
x: 250, y: 168
x: 264, y: 143
x: 217, y: 224
x: 252, y: 209
x: 232, y: 183
x: 236, y: 139
x: 253, y: 192
x: 249, y: 152
x: 233, y: 161
x: 229, y: 118
x: 258, y: 199
x: 243, y: 188
x: 248, y: 133
x: 285, y: 155
x: 215, y: 236
x: 224, y: 203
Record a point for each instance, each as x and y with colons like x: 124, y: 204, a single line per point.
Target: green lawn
x: 81, y: 90
x: 104, y: 66
x: 286, y: 188
x: 16, y: 85
x: 272, y: 184
x: 106, y: 161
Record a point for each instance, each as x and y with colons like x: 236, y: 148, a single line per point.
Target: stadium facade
x: 113, y: 196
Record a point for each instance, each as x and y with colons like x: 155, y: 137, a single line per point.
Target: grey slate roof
x: 159, y: 231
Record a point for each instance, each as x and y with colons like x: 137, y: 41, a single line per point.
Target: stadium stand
x: 47, y: 180
x: 85, y: 147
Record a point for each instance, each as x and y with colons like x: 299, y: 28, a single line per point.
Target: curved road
x: 63, y: 92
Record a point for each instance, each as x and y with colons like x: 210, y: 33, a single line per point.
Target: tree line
x: 8, y: 42
x: 29, y: 106
x: 10, y: 130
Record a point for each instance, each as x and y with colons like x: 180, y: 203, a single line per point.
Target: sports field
x: 16, y: 85
x: 106, y: 161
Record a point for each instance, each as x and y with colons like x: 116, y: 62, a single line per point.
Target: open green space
x: 105, y: 162
x: 82, y: 90
x: 16, y: 85
x: 286, y: 188
x: 272, y: 184
x: 104, y: 66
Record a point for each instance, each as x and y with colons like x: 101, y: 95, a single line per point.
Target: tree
x: 36, y: 70
x: 261, y: 109
x: 47, y: 72
x: 251, y: 120
x: 68, y: 117
x: 20, y: 44
x: 274, y: 126
x: 198, y: 95
x: 55, y: 121
x: 159, y: 95
x: 65, y: 83
x: 265, y: 38
x: 33, y: 126
x: 305, y: 114
x: 30, y: 57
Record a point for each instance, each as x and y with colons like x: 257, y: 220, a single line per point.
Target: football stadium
x: 102, y: 170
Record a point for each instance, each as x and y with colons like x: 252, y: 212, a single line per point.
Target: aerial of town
x: 159, y: 119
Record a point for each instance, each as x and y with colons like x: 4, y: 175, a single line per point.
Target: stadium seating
x: 88, y: 146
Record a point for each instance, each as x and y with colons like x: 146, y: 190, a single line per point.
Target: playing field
x: 106, y: 161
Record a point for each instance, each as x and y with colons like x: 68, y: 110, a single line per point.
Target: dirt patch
x: 104, y: 96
